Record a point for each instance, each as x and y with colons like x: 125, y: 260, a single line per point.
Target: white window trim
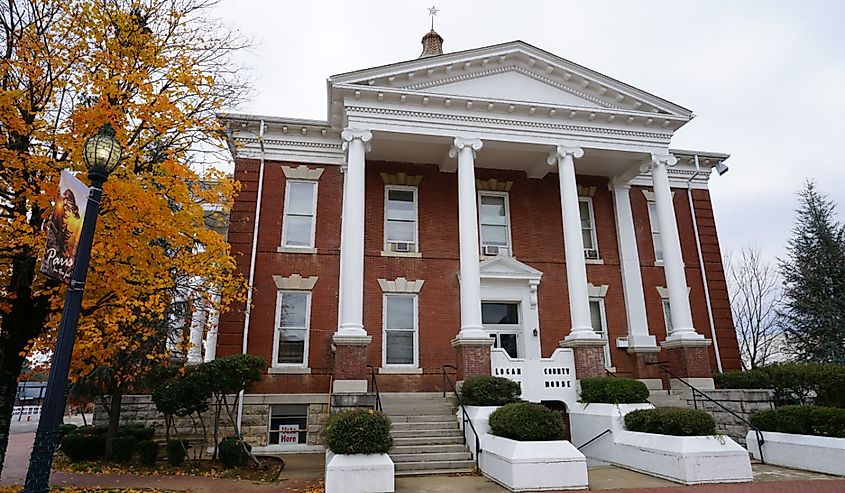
x: 597, y: 259
x: 598, y: 293
x: 652, y: 222
x: 294, y: 367
x: 506, y: 195
x: 386, y: 247
x: 416, y: 332
x: 283, y: 446
x: 298, y: 248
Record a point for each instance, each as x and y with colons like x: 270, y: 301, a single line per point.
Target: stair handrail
x: 664, y: 368
x: 591, y: 440
x: 464, y: 416
x: 375, y: 386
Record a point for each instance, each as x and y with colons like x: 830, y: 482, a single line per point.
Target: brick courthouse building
x: 501, y: 209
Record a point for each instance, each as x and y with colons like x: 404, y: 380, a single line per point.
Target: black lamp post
x: 102, y: 155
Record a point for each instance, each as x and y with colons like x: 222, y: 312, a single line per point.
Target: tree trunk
x: 114, y: 420
x: 10, y: 369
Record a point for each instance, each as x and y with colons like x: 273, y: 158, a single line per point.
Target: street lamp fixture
x: 102, y: 155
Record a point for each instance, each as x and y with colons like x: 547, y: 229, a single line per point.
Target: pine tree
x: 813, y: 315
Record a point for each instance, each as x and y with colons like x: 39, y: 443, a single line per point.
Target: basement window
x: 288, y: 424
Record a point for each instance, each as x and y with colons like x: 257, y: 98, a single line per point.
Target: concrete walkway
x: 304, y: 471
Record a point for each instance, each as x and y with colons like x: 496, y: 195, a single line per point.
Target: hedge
x: 673, y: 421
x: 231, y: 452
x: 526, y: 422
x: 80, y: 446
x: 123, y: 447
x: 140, y: 432
x: 802, y: 420
x: 489, y: 391
x: 358, y: 431
x: 610, y: 390
x: 148, y: 452
x: 822, y: 384
x: 176, y: 451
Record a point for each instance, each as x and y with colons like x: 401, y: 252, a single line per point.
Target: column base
x: 350, y: 363
x: 473, y: 356
x: 689, y: 358
x: 644, y: 362
x: 589, y: 356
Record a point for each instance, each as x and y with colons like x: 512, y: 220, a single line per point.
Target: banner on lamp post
x: 64, y: 227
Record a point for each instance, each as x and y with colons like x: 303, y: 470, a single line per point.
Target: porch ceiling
x: 426, y: 149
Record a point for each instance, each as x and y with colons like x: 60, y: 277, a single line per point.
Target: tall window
x: 667, y: 316
x: 400, y: 330
x: 293, y: 313
x: 599, y: 323
x: 400, y: 219
x: 655, y: 231
x: 495, y: 224
x: 501, y: 320
x: 300, y: 214
x: 588, y: 228
x: 288, y: 424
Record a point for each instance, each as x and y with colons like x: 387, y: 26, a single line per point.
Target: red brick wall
x: 537, y: 239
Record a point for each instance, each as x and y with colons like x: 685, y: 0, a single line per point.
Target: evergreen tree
x: 813, y: 314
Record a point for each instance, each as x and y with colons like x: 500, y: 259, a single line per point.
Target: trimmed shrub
x: 822, y: 384
x: 65, y: 430
x: 176, y: 451
x: 489, y: 391
x: 91, y: 430
x: 802, y: 420
x: 79, y: 446
x: 610, y: 390
x: 148, y: 452
x: 526, y: 422
x: 140, y: 432
x: 673, y: 421
x: 231, y: 453
x: 358, y: 431
x: 123, y: 447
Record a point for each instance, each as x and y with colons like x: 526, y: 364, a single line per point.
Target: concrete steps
x: 662, y: 398
x: 426, y: 436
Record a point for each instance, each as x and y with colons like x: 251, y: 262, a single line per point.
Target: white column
x: 576, y: 268
x: 471, y: 327
x: 211, y: 332
x: 632, y: 282
x: 673, y: 261
x: 198, y: 318
x: 351, y: 296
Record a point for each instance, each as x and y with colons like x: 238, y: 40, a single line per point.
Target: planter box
x: 480, y: 417
x: 533, y: 466
x: 371, y: 473
x: 811, y: 453
x: 687, y: 460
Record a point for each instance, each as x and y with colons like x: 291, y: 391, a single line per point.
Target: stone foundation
x: 743, y: 402
x: 254, y: 423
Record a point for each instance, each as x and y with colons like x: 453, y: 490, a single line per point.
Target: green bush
x: 140, y: 432
x: 91, y: 430
x: 671, y: 421
x: 489, y: 391
x: 358, y: 431
x: 123, y: 447
x: 610, y: 390
x: 65, y: 430
x: 822, y: 384
x: 231, y: 453
x: 176, y: 451
x: 802, y: 420
x: 148, y: 452
x: 526, y: 422
x: 78, y: 446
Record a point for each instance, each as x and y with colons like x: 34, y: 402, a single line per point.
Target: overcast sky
x: 766, y: 79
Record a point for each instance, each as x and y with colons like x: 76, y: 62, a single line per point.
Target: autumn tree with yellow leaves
x: 158, y: 71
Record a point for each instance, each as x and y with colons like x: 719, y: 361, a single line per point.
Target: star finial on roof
x: 432, y: 12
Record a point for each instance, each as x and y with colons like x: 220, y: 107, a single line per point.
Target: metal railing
x: 375, y: 386
x: 664, y: 368
x: 591, y: 440
x: 464, y: 416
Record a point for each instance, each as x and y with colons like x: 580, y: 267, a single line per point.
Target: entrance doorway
x: 502, y: 321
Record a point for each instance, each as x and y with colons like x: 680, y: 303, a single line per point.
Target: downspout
x: 248, y: 310
x: 701, y: 267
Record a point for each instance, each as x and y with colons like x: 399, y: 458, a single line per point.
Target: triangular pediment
x: 515, y: 71
x: 507, y: 267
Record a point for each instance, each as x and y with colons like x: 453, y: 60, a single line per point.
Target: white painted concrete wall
x: 533, y: 466
x: 811, y: 453
x: 359, y: 473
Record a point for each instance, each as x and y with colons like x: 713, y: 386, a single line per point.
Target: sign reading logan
x: 64, y: 228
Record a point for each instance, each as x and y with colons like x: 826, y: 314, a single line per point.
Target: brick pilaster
x: 350, y: 362
x: 473, y: 358
x: 589, y: 361
x: 644, y: 364
x: 689, y: 360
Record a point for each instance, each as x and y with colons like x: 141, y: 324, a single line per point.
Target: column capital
x: 461, y: 142
x: 563, y: 150
x: 667, y: 159
x: 350, y: 134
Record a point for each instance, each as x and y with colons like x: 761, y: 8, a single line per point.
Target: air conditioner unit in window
x: 402, y: 246
x: 491, y: 250
x: 593, y: 254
